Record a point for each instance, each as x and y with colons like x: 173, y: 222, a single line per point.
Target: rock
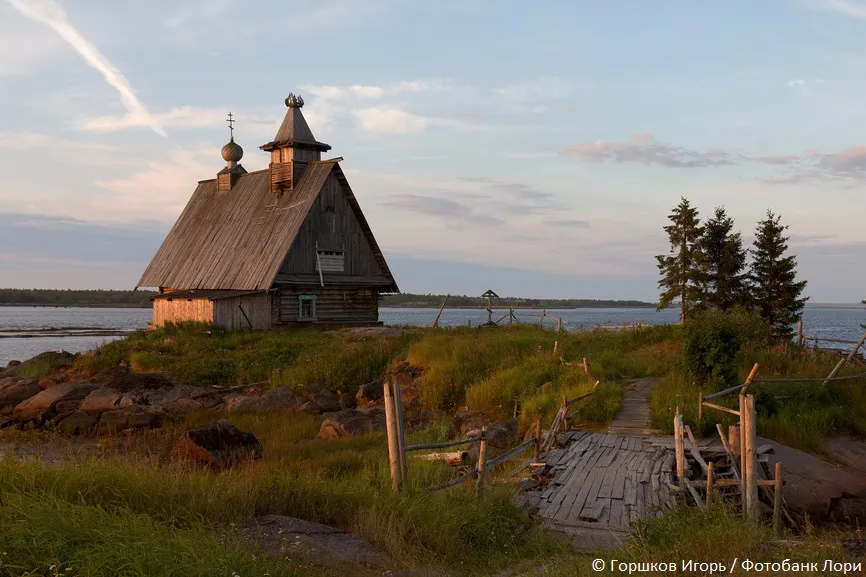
x: 283, y: 398
x: 347, y: 401
x: 245, y: 404
x: 49, y: 382
x: 369, y: 393
x: 14, y: 392
x: 502, y: 435
x: 67, y: 406
x: 279, y: 536
x: 408, y: 377
x: 183, y: 405
x: 11, y: 364
x: 848, y: 509
x: 221, y: 444
x: 112, y: 422
x: 325, y: 398
x: 467, y: 421
x: 311, y: 408
x: 75, y: 422
x: 44, y: 402
x: 101, y: 400
x: 57, y: 360
x: 352, y: 422
x: 123, y: 379
x: 854, y: 548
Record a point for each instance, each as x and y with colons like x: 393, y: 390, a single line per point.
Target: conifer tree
x: 680, y: 270
x: 724, y: 261
x: 776, y: 291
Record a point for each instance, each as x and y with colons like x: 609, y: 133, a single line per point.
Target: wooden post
x: 555, y: 345
x: 777, y: 501
x: 537, y: 437
x: 680, y: 449
x: 750, y: 477
x: 585, y: 366
x: 393, y: 445
x: 734, y: 440
x: 700, y: 406
x: 510, y: 316
x: 436, y: 322
x: 516, y: 407
x: 543, y: 314
x: 565, y: 412
x: 748, y: 382
x: 559, y: 326
x: 469, y: 323
x: 709, y: 483
x: 800, y: 334
x: 401, y: 430
x: 833, y: 372
x: 482, y: 461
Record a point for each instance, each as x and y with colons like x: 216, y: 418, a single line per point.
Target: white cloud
x: 544, y: 87
x: 391, y: 120
x: 848, y: 7
x: 51, y: 14
x: 329, y: 92
x: 367, y: 91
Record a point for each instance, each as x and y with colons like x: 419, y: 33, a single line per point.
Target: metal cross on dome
x: 231, y: 122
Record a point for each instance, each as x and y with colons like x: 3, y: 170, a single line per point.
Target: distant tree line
x: 81, y: 298
x: 709, y: 268
x: 431, y: 300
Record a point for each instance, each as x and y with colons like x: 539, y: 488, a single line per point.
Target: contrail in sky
x: 51, y: 14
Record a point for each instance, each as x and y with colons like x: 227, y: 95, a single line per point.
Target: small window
x: 306, y: 308
x: 330, y: 261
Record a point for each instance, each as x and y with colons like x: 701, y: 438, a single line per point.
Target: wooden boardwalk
x: 602, y: 482
x: 634, y: 419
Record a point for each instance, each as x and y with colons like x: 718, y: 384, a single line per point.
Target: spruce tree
x: 680, y: 270
x: 776, y: 291
x: 724, y: 261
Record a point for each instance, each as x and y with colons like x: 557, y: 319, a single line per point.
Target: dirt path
x: 634, y: 419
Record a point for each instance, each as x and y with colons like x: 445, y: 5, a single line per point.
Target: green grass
x: 36, y: 368
x: 41, y: 534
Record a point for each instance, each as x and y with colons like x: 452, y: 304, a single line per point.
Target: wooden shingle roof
x: 237, y: 239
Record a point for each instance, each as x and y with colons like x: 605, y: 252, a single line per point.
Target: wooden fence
x: 397, y: 448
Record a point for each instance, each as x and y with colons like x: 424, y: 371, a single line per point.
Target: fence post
x: 800, y: 334
x: 393, y: 445
x: 709, y: 483
x: 585, y: 366
x: 559, y: 326
x: 750, y: 478
x: 565, y: 412
x: 680, y: 449
x: 777, y: 501
x: 482, y: 461
x: 401, y: 430
x: 734, y: 441
x: 537, y: 437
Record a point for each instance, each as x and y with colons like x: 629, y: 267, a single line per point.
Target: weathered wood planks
x: 604, y: 482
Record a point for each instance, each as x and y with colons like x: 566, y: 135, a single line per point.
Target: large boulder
x: 352, y: 423
x: 279, y: 537
x: 221, y: 444
x: 326, y: 399
x: 369, y: 393
x: 409, y: 379
x: 15, y: 391
x: 56, y: 360
x: 45, y: 401
x: 136, y: 417
x: 278, y: 399
x: 75, y: 422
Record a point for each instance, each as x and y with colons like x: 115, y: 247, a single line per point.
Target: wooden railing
x: 397, y: 448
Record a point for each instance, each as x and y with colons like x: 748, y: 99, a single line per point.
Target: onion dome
x: 232, y: 152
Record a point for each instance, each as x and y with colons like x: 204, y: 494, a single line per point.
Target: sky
x: 533, y: 149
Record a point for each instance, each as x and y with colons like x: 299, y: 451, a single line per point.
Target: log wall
x: 333, y: 305
x: 182, y: 310
x: 227, y: 312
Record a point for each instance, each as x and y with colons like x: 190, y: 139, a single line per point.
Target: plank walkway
x: 602, y: 482
x: 634, y: 419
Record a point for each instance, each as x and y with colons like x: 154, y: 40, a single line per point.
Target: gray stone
x: 101, y: 400
x: 284, y: 398
x: 369, y: 393
x: 112, y: 422
x: 75, y: 422
x: 311, y: 408
x: 279, y: 536
x: 221, y: 444
x: 352, y: 422
x: 245, y: 404
x: 45, y: 401
x: 14, y: 392
x: 325, y: 398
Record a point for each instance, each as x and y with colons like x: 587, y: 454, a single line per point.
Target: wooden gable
x: 333, y: 235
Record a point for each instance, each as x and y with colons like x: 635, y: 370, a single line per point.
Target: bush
x: 711, y: 342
